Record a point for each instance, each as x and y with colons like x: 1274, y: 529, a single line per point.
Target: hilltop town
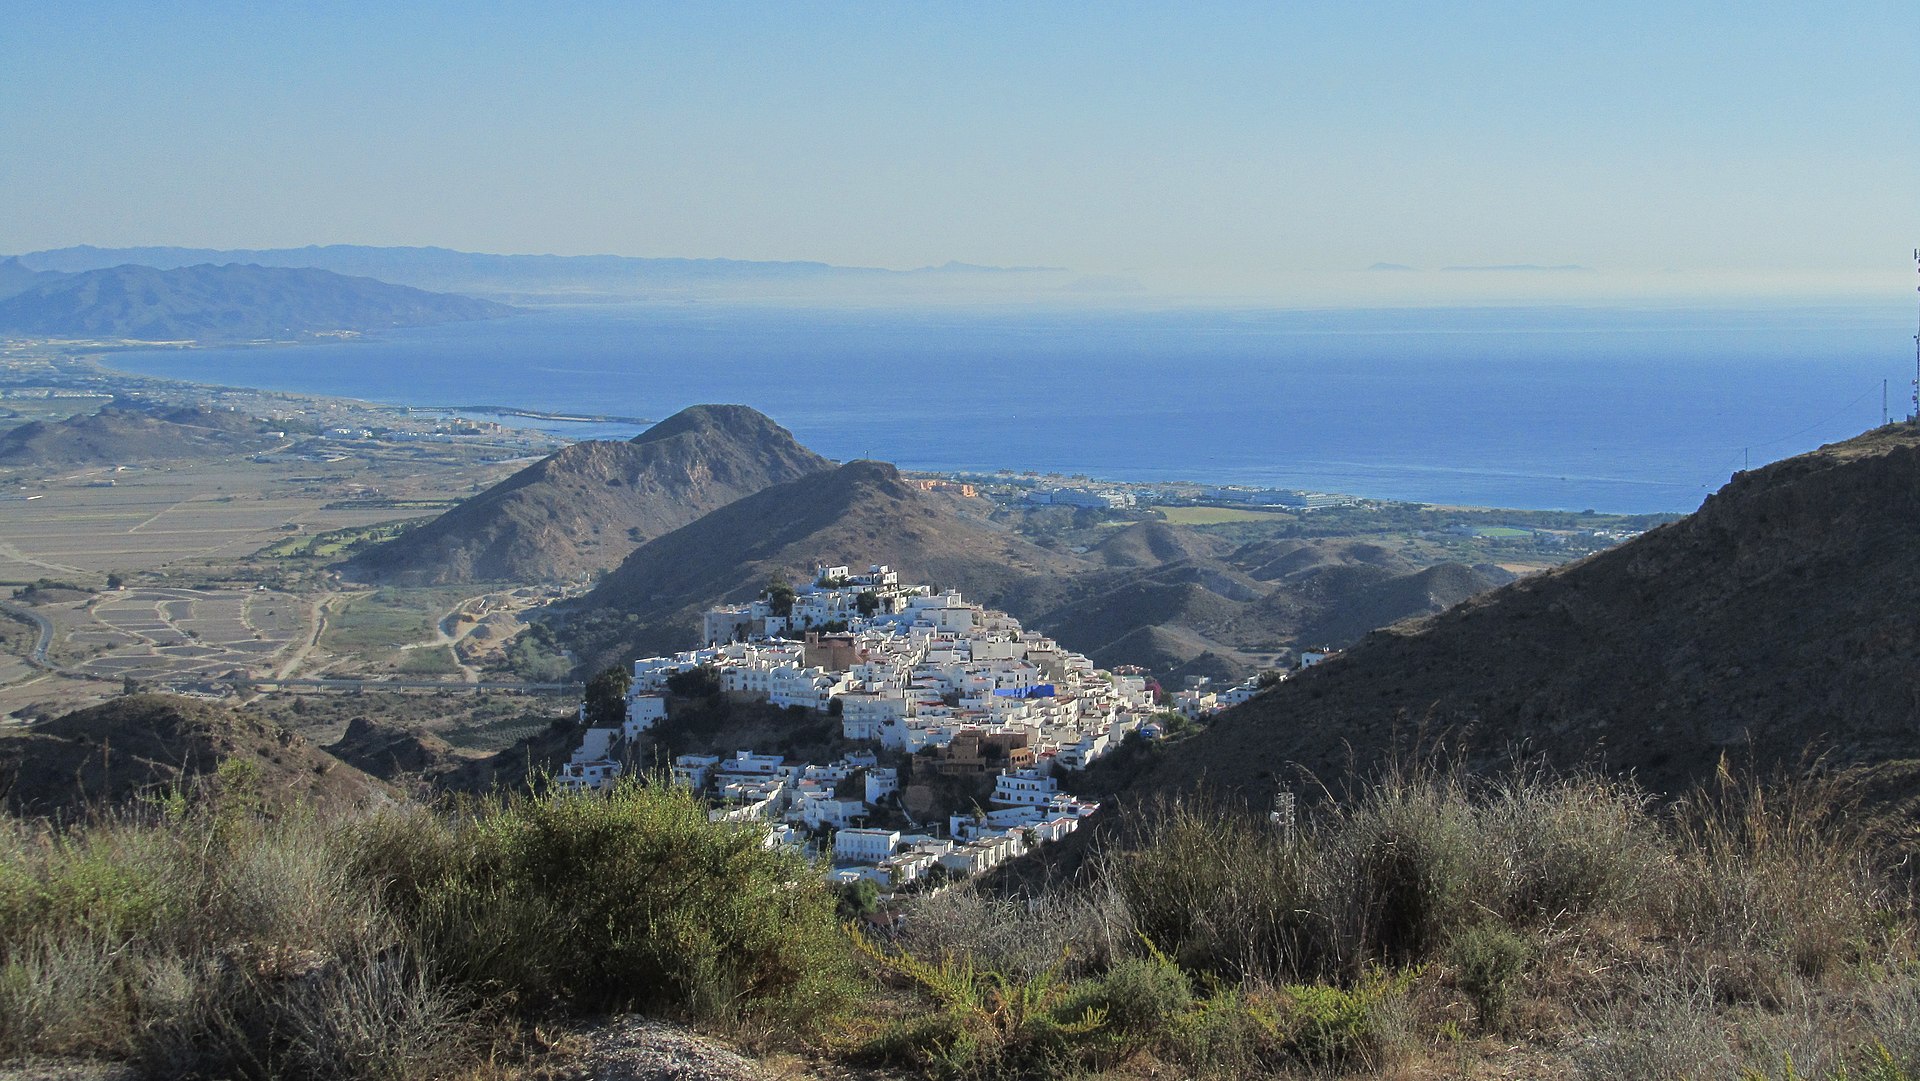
x: 926, y: 680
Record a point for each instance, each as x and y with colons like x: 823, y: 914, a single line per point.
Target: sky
x: 1231, y: 150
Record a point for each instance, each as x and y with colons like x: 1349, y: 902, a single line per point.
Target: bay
x: 1625, y: 410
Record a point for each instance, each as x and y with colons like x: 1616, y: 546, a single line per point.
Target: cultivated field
x: 175, y: 634
x: 74, y: 526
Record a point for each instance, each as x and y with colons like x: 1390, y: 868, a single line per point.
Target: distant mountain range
x: 534, y: 277
x: 231, y: 302
x: 1783, y: 615
x: 584, y: 508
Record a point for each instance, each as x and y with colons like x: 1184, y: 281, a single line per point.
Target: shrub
x: 1487, y: 962
x: 1344, y: 1027
x: 985, y: 1024
x: 632, y: 900
x: 1140, y: 998
x: 1782, y: 870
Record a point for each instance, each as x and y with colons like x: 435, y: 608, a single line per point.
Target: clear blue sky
x: 1205, y: 147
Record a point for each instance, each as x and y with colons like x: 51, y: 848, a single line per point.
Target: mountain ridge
x: 583, y: 508
x: 1783, y: 615
x: 864, y: 511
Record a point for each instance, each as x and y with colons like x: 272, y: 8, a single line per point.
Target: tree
x: 114, y: 581
x: 857, y: 899
x: 867, y: 603
x: 607, y: 697
x: 702, y: 681
x: 780, y: 596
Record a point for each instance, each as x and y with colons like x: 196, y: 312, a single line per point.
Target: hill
x: 234, y: 302
x: 17, y: 277
x: 392, y: 751
x: 1150, y: 544
x: 147, y: 744
x: 859, y: 513
x: 584, y: 508
x: 121, y: 433
x: 1226, y: 615
x: 1784, y: 613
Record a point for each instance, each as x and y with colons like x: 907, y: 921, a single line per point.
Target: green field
x: 386, y: 619
x: 437, y: 661
x: 1217, y: 515
x: 333, y: 542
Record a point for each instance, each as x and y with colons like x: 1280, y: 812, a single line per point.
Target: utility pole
x: 1916, y: 349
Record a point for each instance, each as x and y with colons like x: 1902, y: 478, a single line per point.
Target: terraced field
x: 179, y: 633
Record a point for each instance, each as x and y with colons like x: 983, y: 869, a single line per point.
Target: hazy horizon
x: 1232, y: 154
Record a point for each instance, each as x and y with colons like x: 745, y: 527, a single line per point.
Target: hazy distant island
x: 205, y: 302
x: 535, y: 278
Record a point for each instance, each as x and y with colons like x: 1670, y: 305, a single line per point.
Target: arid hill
x: 584, y: 508
x: 861, y: 512
x: 119, y: 434
x: 149, y: 744
x: 1784, y: 614
x: 392, y: 752
x: 1174, y: 603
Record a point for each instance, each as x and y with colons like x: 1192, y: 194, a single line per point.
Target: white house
x: 864, y: 845
x: 1024, y: 788
x: 643, y: 712
x: 692, y: 770
x: 881, y: 783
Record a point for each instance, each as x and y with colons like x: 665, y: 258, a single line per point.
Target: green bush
x: 984, y: 1025
x: 1343, y: 1027
x: 628, y: 901
x: 1140, y: 998
x: 1487, y: 962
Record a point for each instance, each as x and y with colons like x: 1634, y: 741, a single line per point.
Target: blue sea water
x: 1612, y: 409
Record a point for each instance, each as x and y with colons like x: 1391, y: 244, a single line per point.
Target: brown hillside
x: 1236, y: 614
x: 393, y: 751
x: 149, y: 743
x: 863, y: 512
x: 1784, y: 613
x: 1150, y: 544
x: 585, y: 508
x: 118, y: 434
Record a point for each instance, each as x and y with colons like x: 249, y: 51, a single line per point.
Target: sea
x: 1627, y: 410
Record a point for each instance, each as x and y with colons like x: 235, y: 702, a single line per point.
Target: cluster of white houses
x: 908, y: 669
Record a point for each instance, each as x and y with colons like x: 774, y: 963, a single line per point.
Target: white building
x: 864, y: 845
x: 643, y: 712
x: 1024, y: 788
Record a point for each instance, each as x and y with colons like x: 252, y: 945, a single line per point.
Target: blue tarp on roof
x: 1038, y: 690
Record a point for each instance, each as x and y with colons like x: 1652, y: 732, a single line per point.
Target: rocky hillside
x: 120, y: 434
x: 583, y: 509
x: 148, y: 744
x: 1179, y: 603
x: 862, y: 512
x: 235, y: 302
x: 1784, y: 614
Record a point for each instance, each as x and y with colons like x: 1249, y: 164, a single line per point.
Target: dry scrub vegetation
x: 1430, y: 924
